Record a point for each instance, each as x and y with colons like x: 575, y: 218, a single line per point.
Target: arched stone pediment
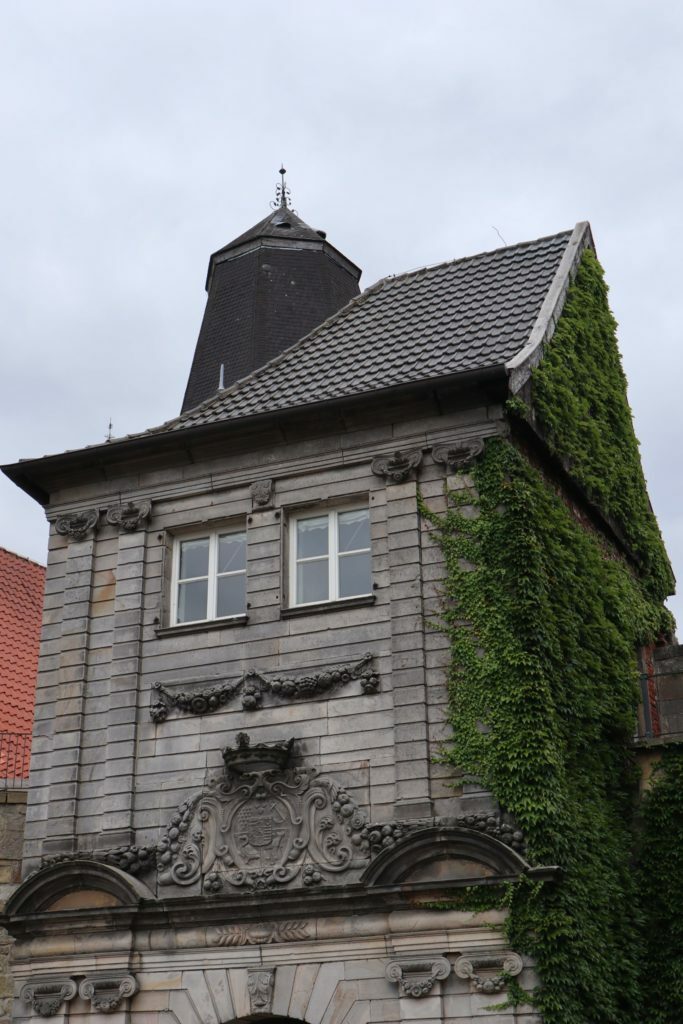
x: 445, y: 853
x: 78, y: 884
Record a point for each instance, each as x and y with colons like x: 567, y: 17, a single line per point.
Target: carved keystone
x: 129, y: 517
x: 396, y: 468
x: 46, y: 995
x: 469, y: 965
x: 77, y: 524
x: 105, y: 993
x: 416, y: 978
x: 260, y: 985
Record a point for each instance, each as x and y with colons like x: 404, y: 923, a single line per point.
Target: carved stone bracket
x: 397, y: 467
x: 77, y: 524
x: 260, y: 985
x: 459, y: 455
x: 416, y: 978
x: 46, y: 995
x: 129, y: 517
x: 260, y: 933
x: 470, y: 966
x: 253, y: 686
x: 106, y: 992
x: 261, y: 494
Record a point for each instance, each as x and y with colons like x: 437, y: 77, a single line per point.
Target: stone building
x: 239, y: 808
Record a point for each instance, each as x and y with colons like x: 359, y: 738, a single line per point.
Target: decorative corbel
x: 45, y: 996
x: 468, y: 966
x: 129, y: 517
x: 261, y: 494
x: 260, y: 984
x: 76, y: 524
x: 397, y: 467
x: 416, y: 978
x: 458, y: 455
x: 106, y: 992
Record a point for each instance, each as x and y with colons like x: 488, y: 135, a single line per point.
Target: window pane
x: 354, y: 575
x: 354, y: 530
x: 192, y: 601
x: 231, y: 595
x: 232, y: 552
x: 311, y: 537
x: 312, y: 581
x: 194, y: 558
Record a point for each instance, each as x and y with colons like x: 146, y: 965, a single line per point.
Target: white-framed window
x: 209, y: 576
x: 330, y: 556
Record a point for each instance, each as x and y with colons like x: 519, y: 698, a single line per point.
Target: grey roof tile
x: 465, y: 315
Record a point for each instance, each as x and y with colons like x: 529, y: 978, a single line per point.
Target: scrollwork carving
x: 105, y: 993
x: 45, y: 996
x: 77, y: 524
x: 253, y: 687
x: 416, y: 978
x: 469, y: 966
x: 129, y: 517
x: 458, y: 455
x: 263, y: 825
x: 397, y: 467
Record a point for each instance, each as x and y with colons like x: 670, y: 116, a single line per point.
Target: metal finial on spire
x: 283, y: 197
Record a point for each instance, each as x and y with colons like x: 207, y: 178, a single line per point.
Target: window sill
x: 201, y: 627
x: 326, y: 606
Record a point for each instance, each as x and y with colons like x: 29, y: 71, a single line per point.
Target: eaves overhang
x: 36, y: 476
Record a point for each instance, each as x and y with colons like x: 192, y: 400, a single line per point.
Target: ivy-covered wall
x: 545, y: 618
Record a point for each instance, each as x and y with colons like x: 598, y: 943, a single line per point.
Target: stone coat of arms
x: 263, y: 824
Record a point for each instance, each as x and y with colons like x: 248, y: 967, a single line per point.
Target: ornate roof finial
x: 282, y: 194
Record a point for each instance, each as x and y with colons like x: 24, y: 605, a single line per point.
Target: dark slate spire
x: 266, y: 289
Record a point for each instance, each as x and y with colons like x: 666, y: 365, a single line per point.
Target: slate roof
x: 21, y: 607
x: 468, y: 314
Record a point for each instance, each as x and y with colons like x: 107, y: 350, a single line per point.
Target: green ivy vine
x: 544, y: 619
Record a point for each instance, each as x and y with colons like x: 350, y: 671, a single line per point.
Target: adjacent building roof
x: 21, y: 604
x: 468, y: 314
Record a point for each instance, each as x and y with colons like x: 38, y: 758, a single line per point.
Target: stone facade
x: 242, y: 818
x: 12, y: 821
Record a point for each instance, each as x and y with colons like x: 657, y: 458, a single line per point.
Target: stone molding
x: 397, y: 467
x: 130, y: 516
x: 261, y: 494
x: 508, y: 965
x: 260, y: 933
x: 76, y: 525
x: 416, y: 978
x: 46, y: 995
x: 252, y: 686
x: 106, y: 992
x: 260, y: 984
x: 457, y: 455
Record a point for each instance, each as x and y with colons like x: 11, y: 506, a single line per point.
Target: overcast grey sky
x: 138, y: 136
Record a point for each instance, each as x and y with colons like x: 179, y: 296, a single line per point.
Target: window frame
x: 333, y: 554
x: 212, y: 534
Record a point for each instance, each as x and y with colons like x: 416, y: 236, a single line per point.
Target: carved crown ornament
x: 130, y: 516
x: 417, y: 977
x: 252, y: 687
x: 397, y: 467
x: 45, y: 996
